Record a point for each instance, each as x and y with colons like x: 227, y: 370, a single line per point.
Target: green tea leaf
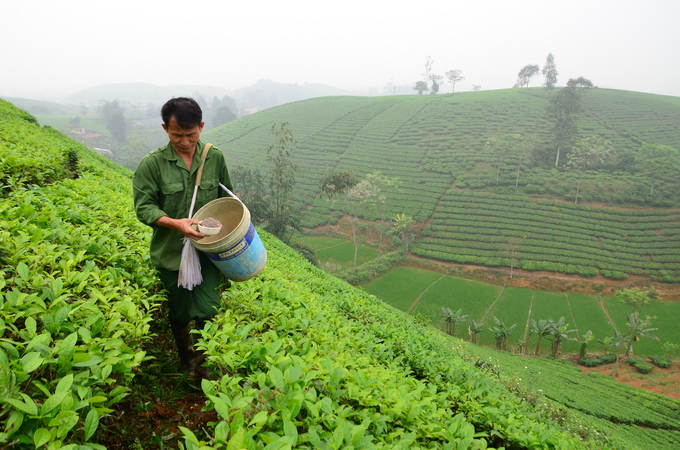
x: 53, y: 402
x: 65, y: 420
x: 30, y: 326
x: 276, y: 377
x: 31, y: 361
x: 41, y: 437
x: 22, y: 270
x: 91, y: 423
x: 85, y: 360
x: 28, y: 405
x: 237, y: 442
x: 65, y: 383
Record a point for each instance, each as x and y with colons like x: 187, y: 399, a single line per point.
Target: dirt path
x: 491, y: 306
x: 606, y: 313
x: 414, y: 305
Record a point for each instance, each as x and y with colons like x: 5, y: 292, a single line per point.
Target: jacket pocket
x: 173, y: 196
x: 207, y: 191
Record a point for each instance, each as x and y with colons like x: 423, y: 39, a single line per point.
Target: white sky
x: 50, y: 49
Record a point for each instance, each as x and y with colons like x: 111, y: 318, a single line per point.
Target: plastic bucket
x: 237, y: 249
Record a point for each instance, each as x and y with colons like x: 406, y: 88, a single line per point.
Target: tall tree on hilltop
x: 550, y: 73
x: 586, y: 153
x: 428, y: 68
x: 454, y: 76
x: 654, y: 159
x: 436, y: 82
x: 526, y: 74
x: 564, y: 109
x: 420, y: 87
x: 581, y: 84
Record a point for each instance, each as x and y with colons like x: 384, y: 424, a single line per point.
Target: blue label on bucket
x: 237, y: 249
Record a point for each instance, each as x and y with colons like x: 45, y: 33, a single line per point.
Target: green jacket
x: 163, y: 186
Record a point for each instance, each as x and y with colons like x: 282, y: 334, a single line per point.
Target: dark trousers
x: 202, y: 303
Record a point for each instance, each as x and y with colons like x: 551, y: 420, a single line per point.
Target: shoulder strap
x: 199, y: 173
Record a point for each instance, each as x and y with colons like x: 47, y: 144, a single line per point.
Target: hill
x: 141, y: 93
x: 301, y: 359
x: 436, y: 147
x: 267, y: 93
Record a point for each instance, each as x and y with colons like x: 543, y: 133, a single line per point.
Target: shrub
x: 661, y: 361
x: 607, y: 359
x: 590, y: 362
x: 634, y: 361
x: 643, y: 367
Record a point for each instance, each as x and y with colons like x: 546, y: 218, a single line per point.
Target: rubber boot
x: 185, y: 349
x: 201, y: 371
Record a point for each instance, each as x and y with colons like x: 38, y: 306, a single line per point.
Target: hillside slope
x: 435, y: 146
x: 307, y: 360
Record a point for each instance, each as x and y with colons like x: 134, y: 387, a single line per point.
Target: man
x: 163, y: 186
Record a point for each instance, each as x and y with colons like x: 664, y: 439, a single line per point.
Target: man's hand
x: 181, y: 225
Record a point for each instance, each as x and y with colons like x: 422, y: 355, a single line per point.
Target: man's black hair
x: 186, y: 111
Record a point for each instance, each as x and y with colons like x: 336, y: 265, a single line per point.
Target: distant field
x: 401, y: 286
x: 340, y: 252
x: 60, y: 122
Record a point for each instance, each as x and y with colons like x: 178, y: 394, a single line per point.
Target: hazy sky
x: 53, y: 48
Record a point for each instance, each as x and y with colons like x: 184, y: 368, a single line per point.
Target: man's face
x: 184, y: 140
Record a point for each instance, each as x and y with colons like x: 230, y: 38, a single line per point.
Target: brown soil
x: 661, y: 381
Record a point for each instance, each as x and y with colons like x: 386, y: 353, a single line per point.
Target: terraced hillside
x: 435, y: 146
x: 300, y: 358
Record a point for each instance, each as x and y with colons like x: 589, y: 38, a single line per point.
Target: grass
x: 401, y: 285
x: 454, y: 293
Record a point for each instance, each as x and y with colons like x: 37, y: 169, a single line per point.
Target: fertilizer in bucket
x: 237, y: 249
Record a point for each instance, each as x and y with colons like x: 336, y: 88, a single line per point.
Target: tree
x: 586, y: 153
x: 333, y: 184
x: 383, y: 185
x: 608, y: 341
x: 451, y: 318
x: 526, y: 74
x: 404, y: 227
x: 250, y: 188
x: 454, y: 76
x: 502, y: 333
x: 654, y: 159
x: 222, y: 115
x: 229, y: 103
x: 474, y: 329
x: 476, y: 87
x: 282, y: 174
x: 584, y: 342
x: 114, y: 118
x: 499, y: 150
x: 522, y: 148
x: 550, y: 73
x: 436, y: 81
x: 428, y: 69
x: 563, y: 109
x: 420, y: 87
x: 356, y: 198
x: 558, y: 333
x: 216, y: 103
x: 512, y: 249
x: 580, y: 84
x: 542, y: 329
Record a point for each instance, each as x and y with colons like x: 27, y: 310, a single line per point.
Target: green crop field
x: 404, y: 284
x: 338, y: 253
x: 401, y: 286
x: 435, y: 147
